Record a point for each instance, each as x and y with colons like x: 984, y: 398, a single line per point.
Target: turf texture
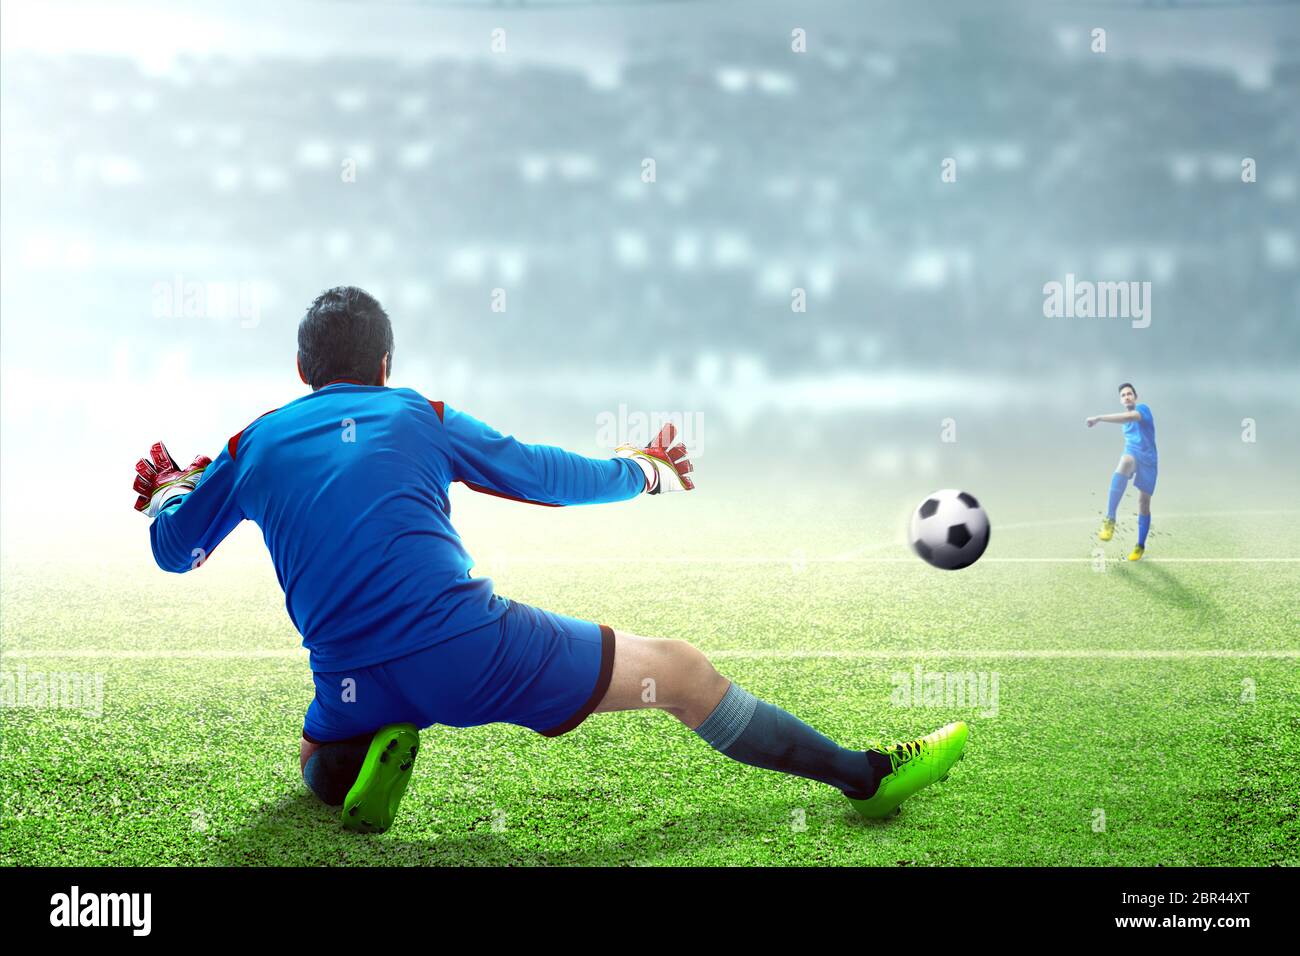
x: 1120, y: 714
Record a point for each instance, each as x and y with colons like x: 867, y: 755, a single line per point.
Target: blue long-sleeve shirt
x: 349, y: 486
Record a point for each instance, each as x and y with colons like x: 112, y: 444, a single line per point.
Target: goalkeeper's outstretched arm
x: 487, y: 461
x: 193, y: 508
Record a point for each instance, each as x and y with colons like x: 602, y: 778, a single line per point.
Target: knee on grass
x: 332, y: 768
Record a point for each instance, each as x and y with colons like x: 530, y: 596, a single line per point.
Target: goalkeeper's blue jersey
x: 349, y: 486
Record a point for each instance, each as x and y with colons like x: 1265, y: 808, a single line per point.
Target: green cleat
x: 917, y: 764
x: 371, y: 804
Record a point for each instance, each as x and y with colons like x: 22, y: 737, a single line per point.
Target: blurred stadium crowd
x: 773, y: 171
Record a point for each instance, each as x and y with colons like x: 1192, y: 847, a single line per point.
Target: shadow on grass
x: 301, y: 831
x: 1163, y: 586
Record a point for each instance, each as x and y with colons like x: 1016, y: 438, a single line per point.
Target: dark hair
x: 344, y: 334
x: 1128, y: 385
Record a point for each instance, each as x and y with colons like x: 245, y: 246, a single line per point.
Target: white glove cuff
x: 651, y: 473
x: 162, y: 497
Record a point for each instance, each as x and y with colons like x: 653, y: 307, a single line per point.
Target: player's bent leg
x: 366, y: 775
x: 370, y: 806
x: 329, y: 769
x: 305, y: 749
x: 360, y: 736
x: 674, y: 676
x: 1118, y: 484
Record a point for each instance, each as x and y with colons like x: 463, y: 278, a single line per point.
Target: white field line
x: 162, y: 654
x: 488, y: 562
x: 1013, y: 654
x: 1171, y: 516
x: 731, y: 654
x: 1084, y: 520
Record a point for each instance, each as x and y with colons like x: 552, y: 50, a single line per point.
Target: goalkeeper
x: 349, y: 485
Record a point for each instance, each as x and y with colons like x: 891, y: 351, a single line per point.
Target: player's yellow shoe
x: 917, y: 764
x: 1137, y: 552
x: 1107, y: 529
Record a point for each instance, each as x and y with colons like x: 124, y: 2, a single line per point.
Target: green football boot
x: 917, y: 764
x: 371, y: 804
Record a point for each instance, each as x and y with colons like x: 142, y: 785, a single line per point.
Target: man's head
x: 1128, y: 395
x: 345, y: 335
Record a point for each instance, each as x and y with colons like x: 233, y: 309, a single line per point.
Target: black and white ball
x: 950, y: 530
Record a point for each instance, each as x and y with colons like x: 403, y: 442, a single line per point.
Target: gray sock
x: 754, y: 732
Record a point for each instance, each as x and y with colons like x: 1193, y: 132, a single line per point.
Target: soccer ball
x: 950, y: 530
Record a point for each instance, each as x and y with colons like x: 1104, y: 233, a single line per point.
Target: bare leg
x: 666, y: 674
x: 305, y: 749
x: 1144, y: 503
x: 673, y: 676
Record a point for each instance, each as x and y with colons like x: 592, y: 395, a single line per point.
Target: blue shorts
x: 1144, y: 478
x: 529, y: 667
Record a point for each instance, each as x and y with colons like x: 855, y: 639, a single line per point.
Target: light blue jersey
x: 1140, y: 437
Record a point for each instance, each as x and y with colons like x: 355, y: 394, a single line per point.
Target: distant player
x: 349, y: 487
x: 1138, y: 462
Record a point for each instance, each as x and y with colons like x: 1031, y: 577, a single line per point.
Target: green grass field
x: 1145, y: 714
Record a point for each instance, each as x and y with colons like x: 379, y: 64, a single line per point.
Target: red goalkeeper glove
x: 663, y: 461
x: 159, y: 479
